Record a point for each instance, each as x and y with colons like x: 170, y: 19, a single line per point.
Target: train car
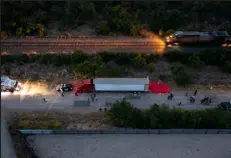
x: 220, y: 38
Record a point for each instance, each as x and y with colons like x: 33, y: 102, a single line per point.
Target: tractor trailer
x: 113, y: 85
x: 121, y: 85
x: 220, y: 38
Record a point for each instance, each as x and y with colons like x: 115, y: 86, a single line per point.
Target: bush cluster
x: 123, y: 114
x: 220, y: 58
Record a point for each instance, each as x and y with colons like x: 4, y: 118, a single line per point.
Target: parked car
x: 225, y: 105
x: 65, y: 87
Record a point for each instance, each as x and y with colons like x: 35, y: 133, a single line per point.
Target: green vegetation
x: 123, y: 114
x: 107, y: 64
x: 113, y: 18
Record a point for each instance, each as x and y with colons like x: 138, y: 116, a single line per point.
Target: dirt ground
x: 206, y: 77
x: 68, y: 120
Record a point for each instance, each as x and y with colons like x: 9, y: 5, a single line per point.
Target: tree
x: 103, y: 28
x: 19, y: 31
x: 139, y: 61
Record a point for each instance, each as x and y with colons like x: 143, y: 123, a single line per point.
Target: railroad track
x: 76, y: 44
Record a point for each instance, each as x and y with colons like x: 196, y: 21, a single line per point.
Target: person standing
x: 61, y: 91
x: 195, y: 93
x: 76, y: 94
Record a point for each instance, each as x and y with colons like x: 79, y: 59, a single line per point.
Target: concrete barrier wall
x: 128, y: 131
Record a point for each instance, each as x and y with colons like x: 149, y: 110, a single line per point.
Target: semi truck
x: 220, y: 38
x: 120, y: 85
x: 9, y: 85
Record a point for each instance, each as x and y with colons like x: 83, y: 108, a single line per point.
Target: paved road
x: 56, y: 101
x: 132, y: 146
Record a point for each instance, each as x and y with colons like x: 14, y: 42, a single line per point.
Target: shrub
x: 123, y: 114
x: 139, y: 61
x: 182, y: 78
x: 195, y: 61
x: 151, y: 67
x: 227, y: 67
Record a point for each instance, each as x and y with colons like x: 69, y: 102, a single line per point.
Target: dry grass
x: 57, y: 120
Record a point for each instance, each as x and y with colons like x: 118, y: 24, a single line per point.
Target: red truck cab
x: 85, y: 86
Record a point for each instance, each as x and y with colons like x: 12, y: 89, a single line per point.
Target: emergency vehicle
x: 9, y: 85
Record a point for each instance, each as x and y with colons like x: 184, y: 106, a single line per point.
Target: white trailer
x: 121, y: 84
x: 8, y: 84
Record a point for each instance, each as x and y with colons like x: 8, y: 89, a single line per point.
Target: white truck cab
x: 8, y: 84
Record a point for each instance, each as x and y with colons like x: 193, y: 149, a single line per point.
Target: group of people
x: 170, y: 96
x: 94, y: 98
x: 206, y: 100
x: 105, y: 109
x: 191, y: 99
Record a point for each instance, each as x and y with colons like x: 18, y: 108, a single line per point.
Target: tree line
x: 113, y: 18
x: 123, y: 114
x: 106, y: 64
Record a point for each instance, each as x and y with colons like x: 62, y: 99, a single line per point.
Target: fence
x: 128, y: 131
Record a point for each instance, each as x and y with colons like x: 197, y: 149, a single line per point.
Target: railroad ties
x: 59, y: 43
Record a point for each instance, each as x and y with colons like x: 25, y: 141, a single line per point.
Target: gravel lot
x: 132, y: 146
